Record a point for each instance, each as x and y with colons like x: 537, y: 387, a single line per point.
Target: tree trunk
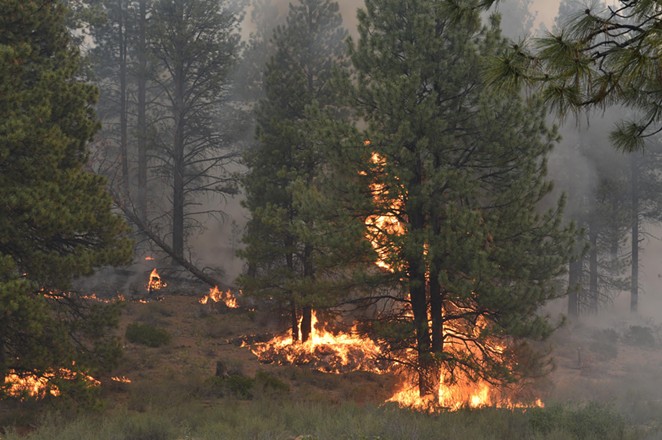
x: 142, y: 111
x: 306, y: 323
x: 634, y: 279
x: 436, y: 312
x: 294, y: 321
x: 574, y: 284
x: 428, y: 384
x: 178, y: 167
x: 593, y: 269
x: 124, y: 148
x: 306, y: 312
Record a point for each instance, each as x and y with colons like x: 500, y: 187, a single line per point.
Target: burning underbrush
x: 462, y: 392
x: 218, y: 296
x: 326, y: 351
x: 344, y: 352
x: 38, y: 386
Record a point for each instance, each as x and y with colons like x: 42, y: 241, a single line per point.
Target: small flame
x: 216, y: 295
x: 120, y: 379
x: 155, y: 282
x: 148, y: 258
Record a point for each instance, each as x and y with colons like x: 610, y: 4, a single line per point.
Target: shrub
x: 146, y: 334
x: 640, y: 336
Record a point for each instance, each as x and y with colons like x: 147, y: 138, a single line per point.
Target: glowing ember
x: 216, y: 295
x: 148, y: 258
x: 325, y: 351
x: 155, y: 282
x: 23, y: 386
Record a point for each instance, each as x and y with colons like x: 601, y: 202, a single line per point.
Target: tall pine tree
x: 283, y: 249
x: 464, y: 170
x: 55, y: 218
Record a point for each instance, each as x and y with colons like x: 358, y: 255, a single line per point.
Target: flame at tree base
x: 464, y: 393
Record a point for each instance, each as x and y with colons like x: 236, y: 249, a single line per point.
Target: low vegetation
x: 147, y: 334
x: 269, y: 418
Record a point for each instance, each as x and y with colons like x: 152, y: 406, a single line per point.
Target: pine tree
x: 463, y: 168
x: 56, y: 221
x: 286, y: 166
x: 195, y: 43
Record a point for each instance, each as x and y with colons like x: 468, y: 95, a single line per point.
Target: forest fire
x: 22, y: 386
x: 155, y: 282
x: 463, y: 393
x: 462, y: 337
x: 215, y: 295
x: 325, y: 351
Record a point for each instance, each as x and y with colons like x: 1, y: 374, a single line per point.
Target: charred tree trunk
x: 634, y: 279
x: 141, y: 128
x: 574, y: 286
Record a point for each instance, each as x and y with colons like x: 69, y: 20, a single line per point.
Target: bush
x: 592, y: 421
x: 146, y: 334
x: 639, y: 336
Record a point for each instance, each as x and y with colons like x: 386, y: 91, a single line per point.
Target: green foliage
x: 146, y: 334
x: 595, y: 57
x: 591, y: 421
x: 298, y: 240
x: 234, y: 385
x: 56, y: 222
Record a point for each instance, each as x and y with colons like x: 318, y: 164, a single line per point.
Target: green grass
x: 276, y: 419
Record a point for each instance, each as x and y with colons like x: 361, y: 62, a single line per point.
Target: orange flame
x: 23, y: 386
x: 216, y: 295
x: 324, y: 350
x: 120, y: 379
x: 464, y: 393
x: 155, y: 282
x: 381, y: 227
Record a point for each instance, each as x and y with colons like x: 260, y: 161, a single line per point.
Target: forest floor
x: 616, y: 364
